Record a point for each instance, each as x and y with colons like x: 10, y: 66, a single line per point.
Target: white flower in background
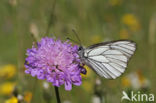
x: 45, y: 85
x: 136, y: 80
x: 96, y: 99
x: 98, y: 81
x: 20, y: 97
x: 34, y: 30
x: 66, y: 101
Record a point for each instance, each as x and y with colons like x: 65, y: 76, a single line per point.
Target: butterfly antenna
x: 73, y: 40
x: 77, y: 36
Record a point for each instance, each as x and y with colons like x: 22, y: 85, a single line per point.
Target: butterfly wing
x: 109, y: 59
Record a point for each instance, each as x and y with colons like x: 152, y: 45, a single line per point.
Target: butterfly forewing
x: 109, y: 59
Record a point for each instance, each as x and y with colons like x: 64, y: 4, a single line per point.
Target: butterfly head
x: 81, y: 51
x: 80, y: 48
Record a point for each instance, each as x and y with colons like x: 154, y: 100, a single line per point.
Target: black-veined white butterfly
x: 107, y: 59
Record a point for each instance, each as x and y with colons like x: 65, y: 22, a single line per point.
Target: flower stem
x: 57, y: 95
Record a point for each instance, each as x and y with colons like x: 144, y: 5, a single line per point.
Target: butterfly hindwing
x: 109, y: 59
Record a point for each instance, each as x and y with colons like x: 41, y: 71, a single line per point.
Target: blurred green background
x: 95, y: 21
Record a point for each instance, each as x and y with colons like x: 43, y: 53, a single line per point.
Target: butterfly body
x: 108, y: 59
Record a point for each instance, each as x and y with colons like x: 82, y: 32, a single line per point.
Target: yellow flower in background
x: 131, y: 21
x: 7, y: 71
x: 89, y: 72
x: 87, y: 85
x: 7, y: 88
x: 144, y: 82
x: 95, y: 39
x: 27, y: 96
x: 125, y: 82
x: 115, y: 2
x: 12, y: 100
x: 135, y: 80
x: 124, y: 34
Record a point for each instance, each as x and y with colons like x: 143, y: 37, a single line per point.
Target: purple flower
x: 57, y: 62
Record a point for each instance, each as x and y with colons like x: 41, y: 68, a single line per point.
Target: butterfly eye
x: 80, y: 48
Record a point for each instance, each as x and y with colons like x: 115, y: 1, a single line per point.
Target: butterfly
x: 108, y: 59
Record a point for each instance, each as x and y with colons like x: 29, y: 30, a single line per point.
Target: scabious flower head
x: 57, y: 62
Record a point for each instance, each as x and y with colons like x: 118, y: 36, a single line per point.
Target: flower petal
x: 68, y: 85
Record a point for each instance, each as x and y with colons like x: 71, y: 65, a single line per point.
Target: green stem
x: 57, y: 95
